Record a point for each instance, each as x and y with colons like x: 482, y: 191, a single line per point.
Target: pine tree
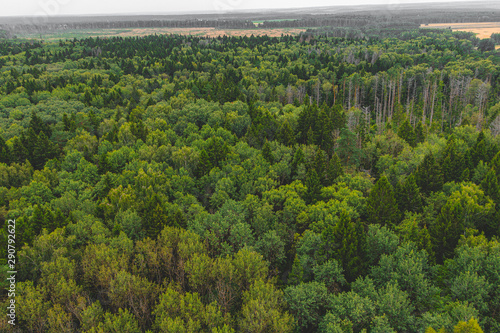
x: 296, y: 275
x: 381, y: 205
x: 348, y: 242
x: 334, y: 169
x: 453, y: 163
x: 103, y: 166
x: 491, y: 187
x: 419, y: 133
x: 429, y: 176
x: 19, y: 151
x: 204, y: 164
x: 5, y: 156
x: 479, y: 151
x: 408, y: 195
x: 154, y: 216
x: 298, y: 158
x: 285, y: 134
x: 313, y: 187
x: 267, y: 153
x: 320, y: 166
x: 407, y: 133
x: 446, y: 231
x: 311, y: 139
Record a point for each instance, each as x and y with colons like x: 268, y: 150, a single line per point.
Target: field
x: 127, y: 32
x: 482, y: 29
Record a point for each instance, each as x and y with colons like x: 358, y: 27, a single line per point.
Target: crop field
x: 127, y: 32
x: 482, y: 29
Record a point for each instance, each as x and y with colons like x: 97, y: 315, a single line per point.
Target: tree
x: 348, y: 149
x: 381, y: 205
x: 407, y: 133
x: 267, y: 153
x: 408, y: 195
x: 5, y: 154
x: 486, y: 45
x: 307, y: 302
x: 262, y: 310
x: 313, y: 184
x: 452, y: 164
x: 285, y: 134
x: 470, y: 326
x: 419, y: 133
x: 345, y: 242
x: 334, y: 169
x: 154, y: 216
x: 428, y: 175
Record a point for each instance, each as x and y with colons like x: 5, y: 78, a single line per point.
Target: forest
x: 329, y: 182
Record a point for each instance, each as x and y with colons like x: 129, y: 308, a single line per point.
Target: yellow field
x: 200, y: 32
x: 482, y: 29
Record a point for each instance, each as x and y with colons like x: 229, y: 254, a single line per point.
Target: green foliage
x: 381, y: 205
x: 179, y: 183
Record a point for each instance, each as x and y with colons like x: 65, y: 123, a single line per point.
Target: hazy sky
x: 76, y: 7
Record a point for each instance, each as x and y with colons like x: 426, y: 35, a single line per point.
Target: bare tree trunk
x: 434, y: 91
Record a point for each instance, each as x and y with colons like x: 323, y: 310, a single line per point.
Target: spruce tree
x: 313, y: 185
x: 429, y: 176
x: 334, y: 169
x: 267, y: 153
x: 382, y: 207
x: 320, y: 166
x: 453, y: 163
x: 407, y: 133
x: 348, y: 244
x: 285, y: 134
x: 204, y: 164
x: 4, y: 152
x: 408, y: 195
x: 491, y: 187
x: 419, y: 133
x: 298, y: 158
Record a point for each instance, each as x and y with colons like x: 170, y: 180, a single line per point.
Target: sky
x: 84, y: 7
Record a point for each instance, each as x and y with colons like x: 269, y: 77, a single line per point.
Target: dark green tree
x: 408, y: 195
x: 267, y: 152
x: 407, y: 133
x: 381, y: 205
x: 419, y: 133
x: 334, y: 169
x: 313, y: 185
x: 429, y: 176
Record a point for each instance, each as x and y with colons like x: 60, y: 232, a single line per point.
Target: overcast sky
x: 82, y: 7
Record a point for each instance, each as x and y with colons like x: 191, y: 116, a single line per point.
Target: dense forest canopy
x: 339, y: 181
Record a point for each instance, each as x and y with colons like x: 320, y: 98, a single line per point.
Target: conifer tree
x: 267, y: 153
x: 408, y: 195
x: 348, y: 242
x: 204, y: 164
x: 313, y: 185
x: 285, y: 134
x: 453, y: 163
x: 429, y: 176
x: 479, y: 150
x: 491, y: 186
x: 334, y: 169
x: 407, y: 133
x: 298, y: 158
x: 419, y: 133
x: 4, y: 152
x: 320, y: 166
x: 381, y: 205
